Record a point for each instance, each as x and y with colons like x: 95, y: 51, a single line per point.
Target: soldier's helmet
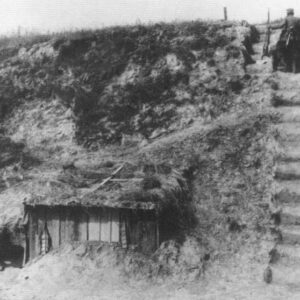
x: 290, y: 11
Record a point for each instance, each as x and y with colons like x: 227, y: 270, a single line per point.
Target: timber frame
x: 135, y: 207
x: 133, y: 229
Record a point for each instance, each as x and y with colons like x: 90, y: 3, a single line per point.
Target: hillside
x: 159, y: 77
x: 183, y: 95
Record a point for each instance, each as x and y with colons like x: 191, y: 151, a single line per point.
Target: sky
x: 56, y: 15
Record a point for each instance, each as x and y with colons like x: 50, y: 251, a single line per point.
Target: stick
x: 108, y: 178
x: 267, y: 39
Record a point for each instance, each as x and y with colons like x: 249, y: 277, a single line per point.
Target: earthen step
x: 286, y: 275
x: 289, y: 114
x: 290, y: 234
x: 288, y: 170
x: 289, y: 152
x: 286, y: 98
x: 289, y: 251
x: 290, y: 215
x: 288, y: 131
x: 287, y: 81
x: 288, y: 191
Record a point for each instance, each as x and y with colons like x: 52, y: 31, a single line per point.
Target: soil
x: 68, y: 276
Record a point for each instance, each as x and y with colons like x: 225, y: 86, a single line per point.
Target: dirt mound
x: 150, y: 78
x: 75, y: 266
x: 230, y: 168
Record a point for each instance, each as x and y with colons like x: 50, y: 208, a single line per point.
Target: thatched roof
x: 148, y: 191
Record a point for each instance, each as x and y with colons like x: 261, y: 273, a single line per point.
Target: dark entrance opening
x: 11, y: 253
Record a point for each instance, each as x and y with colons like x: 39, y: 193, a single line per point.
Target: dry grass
x: 229, y: 167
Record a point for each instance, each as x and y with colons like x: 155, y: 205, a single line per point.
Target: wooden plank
x: 63, y: 229
x: 94, y: 228
x: 70, y: 234
x: 157, y: 234
x: 26, y: 236
x: 32, y: 232
x: 97, y: 187
x: 41, y: 218
x: 115, y: 226
x: 110, y: 225
x: 77, y: 227
x: 105, y: 225
x: 143, y: 232
x: 133, y: 229
x: 100, y: 218
x: 124, y: 238
x: 53, y: 225
x: 82, y: 225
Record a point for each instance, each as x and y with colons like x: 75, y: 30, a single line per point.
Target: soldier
x: 288, y: 22
x: 288, y: 44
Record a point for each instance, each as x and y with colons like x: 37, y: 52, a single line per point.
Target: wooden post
x: 105, y: 225
x: 225, y: 14
x: 33, y: 234
x: 110, y: 225
x: 157, y: 230
x: 26, y: 241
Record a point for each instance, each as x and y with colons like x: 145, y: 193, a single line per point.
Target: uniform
x: 288, y: 45
x: 289, y: 22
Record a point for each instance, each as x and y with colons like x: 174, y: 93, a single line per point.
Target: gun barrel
x: 267, y: 38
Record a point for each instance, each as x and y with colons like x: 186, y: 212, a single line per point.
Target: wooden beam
x: 33, y: 228
x: 110, y: 225
x: 157, y: 233
x: 115, y: 226
x: 94, y: 227
x: 82, y: 219
x: 98, y: 186
x: 53, y: 225
x: 62, y: 227
x: 70, y: 225
x: 125, y: 180
x: 105, y: 225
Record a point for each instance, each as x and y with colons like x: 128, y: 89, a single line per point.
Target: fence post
x: 225, y: 14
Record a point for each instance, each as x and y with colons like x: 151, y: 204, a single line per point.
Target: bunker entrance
x: 11, y: 249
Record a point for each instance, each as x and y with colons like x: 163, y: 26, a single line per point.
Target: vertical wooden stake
x: 100, y: 218
x: 157, y: 231
x: 225, y: 14
x: 59, y: 228
x: 87, y: 226
x: 110, y: 229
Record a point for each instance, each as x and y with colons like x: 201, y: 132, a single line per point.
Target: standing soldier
x: 288, y: 44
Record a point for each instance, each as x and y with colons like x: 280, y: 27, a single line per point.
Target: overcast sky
x: 57, y: 15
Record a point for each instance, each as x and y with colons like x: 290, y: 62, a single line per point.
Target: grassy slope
x: 148, y: 77
x: 230, y: 168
